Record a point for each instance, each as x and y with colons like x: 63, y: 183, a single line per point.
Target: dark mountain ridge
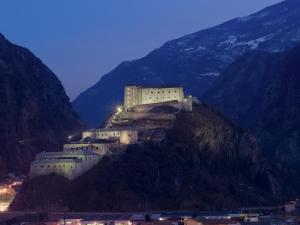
x: 205, y: 163
x: 260, y: 91
x: 195, y: 61
x: 35, y: 112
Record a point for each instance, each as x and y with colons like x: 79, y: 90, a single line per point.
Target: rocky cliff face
x: 205, y: 162
x: 35, y: 112
x: 195, y: 61
x: 260, y: 91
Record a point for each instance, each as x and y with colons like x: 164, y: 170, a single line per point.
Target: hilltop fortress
x: 138, y: 95
x: 144, y: 116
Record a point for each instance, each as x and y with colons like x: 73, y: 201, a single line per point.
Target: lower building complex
x: 141, y: 104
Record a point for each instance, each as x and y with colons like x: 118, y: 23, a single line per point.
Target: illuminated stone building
x: 69, y: 164
x: 139, y: 102
x: 121, y: 135
x: 138, y: 95
x: 99, y: 148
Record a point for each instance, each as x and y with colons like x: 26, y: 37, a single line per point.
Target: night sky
x: 80, y: 40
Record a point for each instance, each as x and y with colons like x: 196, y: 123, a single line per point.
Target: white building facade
x: 69, y: 164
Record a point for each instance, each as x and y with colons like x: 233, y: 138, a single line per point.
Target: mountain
x: 195, y: 61
x: 35, y: 112
x: 260, y: 91
x: 205, y: 162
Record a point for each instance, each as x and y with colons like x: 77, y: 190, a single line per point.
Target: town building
x: 69, y: 164
x: 201, y: 221
x: 98, y: 219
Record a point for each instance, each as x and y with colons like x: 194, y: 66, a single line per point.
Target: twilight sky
x: 81, y: 40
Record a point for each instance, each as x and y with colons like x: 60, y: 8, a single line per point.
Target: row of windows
x: 106, y: 135
x: 85, y: 148
x: 158, y: 92
x: 162, y: 98
x: 57, y: 166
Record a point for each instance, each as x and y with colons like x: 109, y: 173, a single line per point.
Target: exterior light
x: 119, y: 109
x: 70, y: 137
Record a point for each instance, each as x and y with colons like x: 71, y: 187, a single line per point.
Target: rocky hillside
x: 205, y: 162
x: 195, y: 61
x: 35, y: 112
x: 260, y: 91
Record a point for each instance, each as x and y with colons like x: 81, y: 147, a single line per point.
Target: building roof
x: 66, y: 153
x: 112, y: 129
x: 95, y: 217
x: 57, y: 160
x: 83, y: 144
x: 154, y: 86
x: 215, y: 221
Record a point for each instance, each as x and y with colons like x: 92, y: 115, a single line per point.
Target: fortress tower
x: 138, y: 95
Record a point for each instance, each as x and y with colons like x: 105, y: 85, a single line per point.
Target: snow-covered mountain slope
x: 195, y: 61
